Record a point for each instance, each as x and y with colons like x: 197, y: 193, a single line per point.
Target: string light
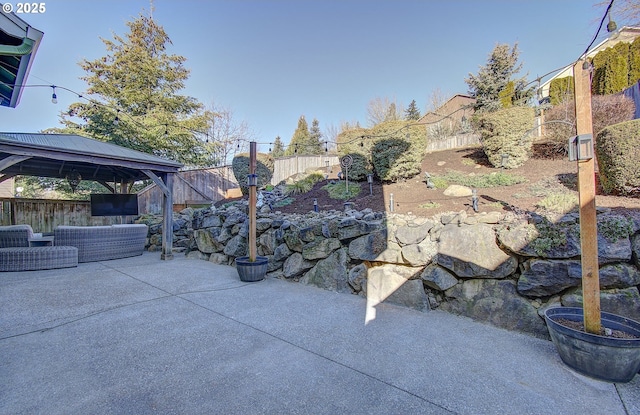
x: 54, y: 97
x: 116, y: 120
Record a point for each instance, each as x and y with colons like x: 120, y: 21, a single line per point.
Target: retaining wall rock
x: 504, y: 269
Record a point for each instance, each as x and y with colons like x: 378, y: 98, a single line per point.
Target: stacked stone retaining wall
x: 501, y: 268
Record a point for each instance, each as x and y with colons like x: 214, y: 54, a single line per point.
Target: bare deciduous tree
x: 383, y: 109
x: 228, y: 135
x: 436, y: 100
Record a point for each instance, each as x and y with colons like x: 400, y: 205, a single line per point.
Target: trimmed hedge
x: 507, y: 131
x: 618, y: 151
x: 264, y: 170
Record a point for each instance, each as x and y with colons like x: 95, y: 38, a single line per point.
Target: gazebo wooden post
x: 167, y: 220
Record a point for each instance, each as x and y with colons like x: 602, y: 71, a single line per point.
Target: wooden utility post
x: 253, y: 164
x: 587, y: 197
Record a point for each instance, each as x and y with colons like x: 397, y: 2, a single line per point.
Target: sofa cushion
x: 15, y: 236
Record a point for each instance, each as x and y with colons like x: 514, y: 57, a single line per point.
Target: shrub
x: 479, y: 180
x: 561, y: 89
x: 299, y: 187
x: 339, y: 190
x: 359, y: 168
x: 357, y: 143
x: 398, y: 150
x: 507, y: 131
x: 618, y: 151
x: 264, y: 170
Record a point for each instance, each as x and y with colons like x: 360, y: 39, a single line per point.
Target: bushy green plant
x: 359, y: 168
x: 357, y: 143
x: 338, y: 190
x: 496, y: 179
x: 563, y: 202
x: 264, y: 170
x: 618, y: 151
x: 299, y: 187
x: 398, y: 150
x: 561, y: 89
x: 507, y: 131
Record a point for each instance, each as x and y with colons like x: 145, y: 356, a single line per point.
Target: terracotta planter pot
x: 251, y: 271
x: 601, y: 357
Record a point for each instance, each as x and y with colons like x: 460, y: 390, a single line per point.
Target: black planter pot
x: 605, y: 358
x: 251, y: 271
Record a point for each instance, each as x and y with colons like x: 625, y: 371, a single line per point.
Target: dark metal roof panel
x: 82, y: 145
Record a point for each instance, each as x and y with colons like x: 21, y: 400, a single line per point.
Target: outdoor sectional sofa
x: 99, y: 243
x: 72, y: 245
x: 16, y: 254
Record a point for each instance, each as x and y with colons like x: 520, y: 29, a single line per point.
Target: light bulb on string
x: 54, y: 97
x: 116, y: 120
x: 611, y: 26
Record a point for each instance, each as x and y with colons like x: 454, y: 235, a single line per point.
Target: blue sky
x: 272, y: 61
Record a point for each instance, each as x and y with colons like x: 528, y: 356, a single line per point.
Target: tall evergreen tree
x: 300, y: 139
x: 278, y: 148
x: 315, y: 138
x: 135, y: 101
x: 489, y: 85
x: 412, y: 113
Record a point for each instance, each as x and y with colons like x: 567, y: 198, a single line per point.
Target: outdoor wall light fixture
x: 581, y: 147
x: 54, y: 97
x: 74, y: 179
x: 252, y: 179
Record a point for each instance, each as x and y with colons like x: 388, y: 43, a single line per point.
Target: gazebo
x: 68, y: 156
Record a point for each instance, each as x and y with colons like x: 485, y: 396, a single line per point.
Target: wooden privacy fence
x: 456, y: 141
x: 288, y: 166
x: 43, y: 215
x: 190, y: 188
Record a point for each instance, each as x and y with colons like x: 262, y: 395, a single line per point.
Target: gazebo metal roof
x: 55, y: 155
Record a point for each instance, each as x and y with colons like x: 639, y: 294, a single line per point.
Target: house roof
x: 438, y: 113
x: 624, y: 34
x: 18, y: 45
x: 55, y: 155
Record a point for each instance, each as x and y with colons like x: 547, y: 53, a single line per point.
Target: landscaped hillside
x: 546, y: 183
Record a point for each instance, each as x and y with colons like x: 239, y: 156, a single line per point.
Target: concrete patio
x: 140, y: 335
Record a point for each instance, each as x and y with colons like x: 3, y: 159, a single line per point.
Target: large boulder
x: 408, y: 235
x: 320, y: 248
x: 358, y: 277
x: 237, y: 246
x: 295, y: 265
x: 635, y: 245
x: 376, y: 247
x: 544, y: 240
x: 438, y: 278
x: 206, y: 240
x: 544, y: 277
x: 421, y: 253
x: 623, y: 302
x: 470, y: 251
x: 496, y: 302
x: 395, y: 284
x: 619, y: 276
x: 330, y: 273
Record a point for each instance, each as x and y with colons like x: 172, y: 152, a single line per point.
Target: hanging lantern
x: 73, y: 178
